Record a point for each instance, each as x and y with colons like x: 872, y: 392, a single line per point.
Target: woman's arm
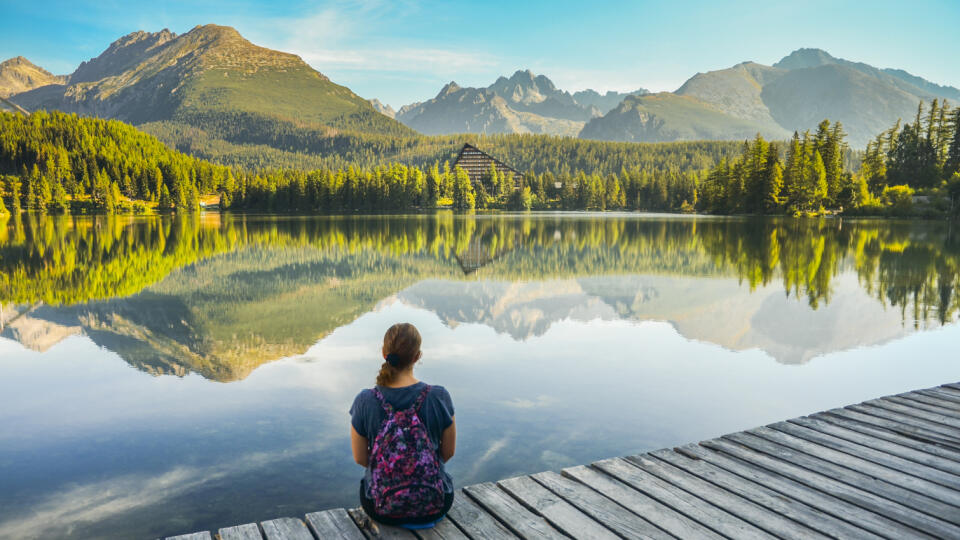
x: 361, y: 454
x: 448, y: 444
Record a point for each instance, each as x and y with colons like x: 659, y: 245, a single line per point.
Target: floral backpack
x: 405, y: 477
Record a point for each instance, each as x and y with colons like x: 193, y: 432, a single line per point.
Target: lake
x: 163, y: 375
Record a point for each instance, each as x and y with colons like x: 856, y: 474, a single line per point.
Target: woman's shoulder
x: 436, y: 389
x: 363, y: 397
x: 440, y: 393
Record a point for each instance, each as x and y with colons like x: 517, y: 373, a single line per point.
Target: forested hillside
x: 59, y: 163
x: 920, y: 157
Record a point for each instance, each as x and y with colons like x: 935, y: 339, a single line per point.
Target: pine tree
x: 873, y: 169
x: 192, y: 197
x: 463, y: 193
x: 816, y: 183
x: 756, y: 175
x: 3, y: 194
x: 953, y: 152
x: 480, y: 196
x: 793, y: 172
x: 613, y: 193
x: 772, y: 181
x: 433, y: 186
x: 59, y: 202
x: 13, y: 186
x: 942, y: 136
x: 44, y: 193
x: 568, y: 193
x: 165, y: 202
x: 932, y: 121
x: 595, y: 193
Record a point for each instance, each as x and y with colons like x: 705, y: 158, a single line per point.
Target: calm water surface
x: 160, y: 376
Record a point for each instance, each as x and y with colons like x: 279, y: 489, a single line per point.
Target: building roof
x: 476, y: 162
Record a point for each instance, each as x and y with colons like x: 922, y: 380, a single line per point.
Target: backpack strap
x: 383, y: 401
x: 421, y: 398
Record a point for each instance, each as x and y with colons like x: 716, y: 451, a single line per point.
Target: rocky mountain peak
x: 449, y: 88
x: 121, y: 55
x: 522, y: 75
x: 16, y: 61
x: 383, y: 108
x: 806, y: 58
x: 215, y: 33
x: 18, y: 74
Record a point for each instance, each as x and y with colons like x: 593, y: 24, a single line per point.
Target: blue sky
x: 401, y: 51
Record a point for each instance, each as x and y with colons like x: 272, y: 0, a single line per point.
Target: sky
x: 402, y: 51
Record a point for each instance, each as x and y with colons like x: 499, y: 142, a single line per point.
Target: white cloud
x: 494, y: 449
x: 438, y: 62
x: 97, y: 501
x: 520, y: 403
x: 346, y: 39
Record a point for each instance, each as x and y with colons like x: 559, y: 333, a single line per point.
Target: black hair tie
x: 394, y: 359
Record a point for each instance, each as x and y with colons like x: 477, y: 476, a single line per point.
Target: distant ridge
x: 209, y: 86
x: 19, y: 75
x: 796, y: 93
x: 212, y: 93
x: 523, y: 103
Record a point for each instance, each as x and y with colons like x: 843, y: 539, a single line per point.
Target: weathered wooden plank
x: 919, y: 401
x: 954, y: 386
x: 762, y: 495
x: 936, y: 401
x: 615, y: 517
x: 939, y: 481
x: 442, y: 530
x: 902, y: 423
x: 940, y: 394
x: 821, y: 499
x: 650, y: 509
x: 475, y: 521
x: 762, y: 452
x: 749, y: 512
x: 951, y: 424
x: 250, y: 531
x: 561, y: 514
x: 947, y: 390
x: 204, y: 535
x: 934, y: 408
x: 917, y: 443
x: 285, y: 529
x: 856, y: 472
x: 681, y: 501
x: 881, y: 444
x: 333, y: 524
x: 509, y: 511
x: 372, y: 529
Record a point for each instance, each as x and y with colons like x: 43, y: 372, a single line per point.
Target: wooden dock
x: 885, y: 468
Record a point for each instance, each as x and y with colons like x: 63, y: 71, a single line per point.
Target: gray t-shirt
x: 367, y: 416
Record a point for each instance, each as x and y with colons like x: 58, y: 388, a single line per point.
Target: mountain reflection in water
x: 563, y: 339
x: 220, y: 296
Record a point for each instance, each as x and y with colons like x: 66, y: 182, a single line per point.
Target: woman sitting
x: 413, y: 433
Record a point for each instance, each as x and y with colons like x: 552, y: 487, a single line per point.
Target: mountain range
x: 794, y: 94
x: 524, y: 103
x: 210, y: 82
x: 211, y: 88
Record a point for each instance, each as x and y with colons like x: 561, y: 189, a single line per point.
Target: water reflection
x: 563, y: 339
x: 219, y: 296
